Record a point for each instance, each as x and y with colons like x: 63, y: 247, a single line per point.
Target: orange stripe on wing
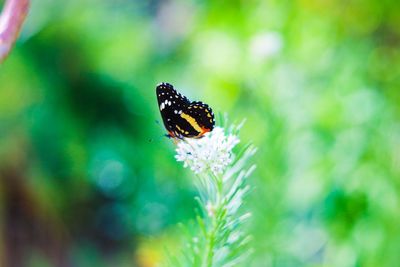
x: 192, y: 122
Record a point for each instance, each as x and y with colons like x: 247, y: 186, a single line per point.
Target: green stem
x: 214, y: 222
x: 210, y: 249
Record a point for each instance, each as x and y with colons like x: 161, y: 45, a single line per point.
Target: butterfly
x: 181, y: 117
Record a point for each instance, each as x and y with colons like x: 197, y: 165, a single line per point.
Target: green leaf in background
x: 87, y: 178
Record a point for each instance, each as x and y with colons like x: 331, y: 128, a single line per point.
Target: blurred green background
x: 87, y: 178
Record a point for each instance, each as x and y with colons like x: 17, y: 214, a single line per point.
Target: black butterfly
x: 181, y: 117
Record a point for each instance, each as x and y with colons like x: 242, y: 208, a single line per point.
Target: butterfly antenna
x: 159, y: 125
x: 160, y: 136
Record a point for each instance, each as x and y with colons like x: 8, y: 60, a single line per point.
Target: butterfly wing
x: 171, y: 103
x: 200, y: 117
x: 181, y: 117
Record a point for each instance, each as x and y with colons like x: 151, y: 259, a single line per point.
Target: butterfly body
x: 181, y: 117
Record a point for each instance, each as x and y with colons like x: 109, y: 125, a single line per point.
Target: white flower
x: 222, y: 186
x: 212, y: 152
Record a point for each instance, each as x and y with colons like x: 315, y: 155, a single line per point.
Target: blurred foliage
x: 87, y: 178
